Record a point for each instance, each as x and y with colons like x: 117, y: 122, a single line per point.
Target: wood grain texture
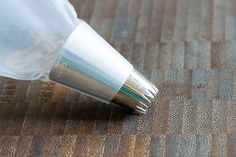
x: 186, y: 47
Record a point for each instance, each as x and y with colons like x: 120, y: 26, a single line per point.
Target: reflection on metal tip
x: 144, y: 105
x: 140, y: 110
x: 149, y: 94
x: 153, y: 91
x: 146, y: 99
x: 155, y: 88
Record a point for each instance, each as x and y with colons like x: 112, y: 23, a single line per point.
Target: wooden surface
x: 187, y: 47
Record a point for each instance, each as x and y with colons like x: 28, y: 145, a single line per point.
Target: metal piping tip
x: 136, y: 93
x: 83, y: 68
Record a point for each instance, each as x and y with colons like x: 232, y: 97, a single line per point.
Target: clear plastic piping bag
x: 44, y: 39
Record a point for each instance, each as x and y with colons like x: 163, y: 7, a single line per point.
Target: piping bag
x: 44, y: 40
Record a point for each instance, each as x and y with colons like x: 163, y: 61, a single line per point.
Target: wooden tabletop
x: 186, y: 47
